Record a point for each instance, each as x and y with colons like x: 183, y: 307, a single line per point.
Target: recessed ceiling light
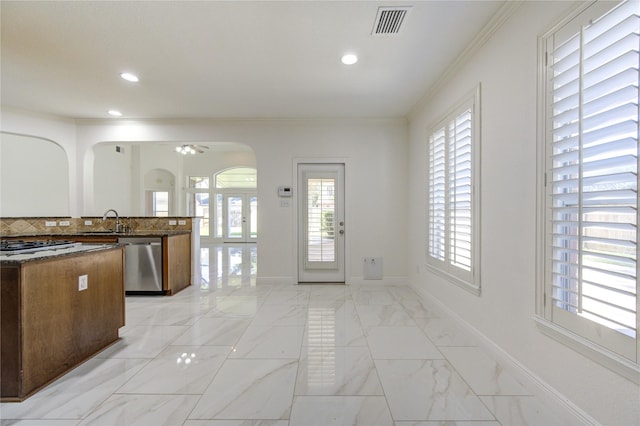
x: 115, y: 113
x: 130, y: 77
x: 349, y: 59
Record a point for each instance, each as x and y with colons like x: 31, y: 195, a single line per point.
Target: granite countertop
x: 143, y: 233
x: 96, y: 233
x: 142, y: 217
x: 78, y: 248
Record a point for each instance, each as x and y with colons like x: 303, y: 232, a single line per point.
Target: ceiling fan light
x: 185, y: 149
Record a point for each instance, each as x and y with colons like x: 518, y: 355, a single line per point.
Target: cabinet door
x: 177, y: 262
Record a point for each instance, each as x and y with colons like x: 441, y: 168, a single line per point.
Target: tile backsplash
x: 12, y: 226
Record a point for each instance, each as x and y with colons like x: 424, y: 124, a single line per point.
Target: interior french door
x: 239, y: 218
x: 321, y: 223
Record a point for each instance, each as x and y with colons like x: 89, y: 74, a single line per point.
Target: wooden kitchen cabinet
x: 48, y: 324
x: 92, y: 239
x: 176, y: 262
x: 176, y: 255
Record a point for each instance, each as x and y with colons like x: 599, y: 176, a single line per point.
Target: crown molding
x: 501, y: 16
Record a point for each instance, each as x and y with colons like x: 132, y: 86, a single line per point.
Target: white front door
x: 240, y: 214
x: 321, y: 223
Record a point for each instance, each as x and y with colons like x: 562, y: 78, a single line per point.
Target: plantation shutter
x: 460, y: 190
x: 592, y: 178
x: 451, y: 218
x: 322, y: 222
x: 320, y: 219
x: 437, y: 195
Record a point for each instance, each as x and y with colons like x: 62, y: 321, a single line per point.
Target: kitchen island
x: 178, y: 235
x: 57, y: 309
x: 176, y: 248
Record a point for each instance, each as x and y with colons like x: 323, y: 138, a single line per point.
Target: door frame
x: 297, y: 239
x: 246, y: 213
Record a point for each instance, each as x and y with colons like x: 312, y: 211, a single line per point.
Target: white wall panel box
x: 373, y: 268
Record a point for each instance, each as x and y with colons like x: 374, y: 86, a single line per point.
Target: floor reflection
x: 185, y: 359
x: 228, y: 266
x: 220, y: 348
x: 321, y: 370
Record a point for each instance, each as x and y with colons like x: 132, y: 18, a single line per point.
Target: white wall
x: 60, y: 131
x: 507, y: 67
x: 376, y: 179
x: 211, y: 162
x: 112, y: 173
x: 32, y: 185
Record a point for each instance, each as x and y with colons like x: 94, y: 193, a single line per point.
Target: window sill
x: 473, y: 289
x: 616, y: 363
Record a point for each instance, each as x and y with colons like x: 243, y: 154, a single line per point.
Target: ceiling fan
x: 186, y: 149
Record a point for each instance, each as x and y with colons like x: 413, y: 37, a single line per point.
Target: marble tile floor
x: 228, y: 352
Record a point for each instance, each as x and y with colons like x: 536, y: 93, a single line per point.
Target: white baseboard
x: 355, y: 281
x: 539, y: 387
x: 360, y: 281
x: 275, y: 281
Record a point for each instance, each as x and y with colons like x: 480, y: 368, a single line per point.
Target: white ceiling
x: 227, y: 59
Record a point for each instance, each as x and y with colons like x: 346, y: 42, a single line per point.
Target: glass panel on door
x: 235, y: 218
x: 240, y: 220
x: 219, y: 216
x: 253, y: 214
x: 321, y: 245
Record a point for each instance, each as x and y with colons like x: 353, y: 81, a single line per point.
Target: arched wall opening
x: 123, y: 173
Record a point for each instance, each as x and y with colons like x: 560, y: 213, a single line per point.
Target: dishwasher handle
x: 141, y: 241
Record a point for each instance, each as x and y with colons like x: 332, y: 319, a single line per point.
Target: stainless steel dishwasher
x: 143, y: 265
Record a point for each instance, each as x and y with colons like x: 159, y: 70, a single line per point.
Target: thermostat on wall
x: 285, y: 191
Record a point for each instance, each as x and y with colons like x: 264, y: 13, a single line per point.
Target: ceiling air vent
x: 389, y: 20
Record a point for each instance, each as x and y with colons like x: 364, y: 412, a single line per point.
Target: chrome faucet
x: 104, y: 217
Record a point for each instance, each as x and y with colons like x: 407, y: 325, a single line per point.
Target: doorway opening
x: 239, y: 217
x: 321, y: 223
x: 227, y: 204
x: 236, y: 211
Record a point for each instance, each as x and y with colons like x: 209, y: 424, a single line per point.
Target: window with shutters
x: 590, y: 202
x: 452, y: 199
